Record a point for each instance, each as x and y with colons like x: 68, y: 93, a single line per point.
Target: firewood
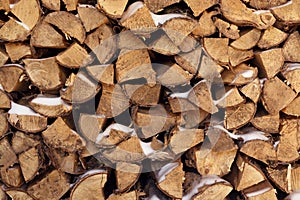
x: 262, y: 190
x: 129, y: 195
x: 170, y: 178
x: 22, y: 142
x: 3, y: 125
x: 143, y: 95
x: 127, y: 175
x: 102, y: 43
x: 63, y: 20
x: 237, y: 57
x: 243, y: 16
x: 252, y: 90
x: 266, y: 62
x: 91, y: 125
x: 201, y: 96
x: 102, y: 73
x: 211, y: 71
x: 157, y: 6
x: 260, y: 150
x: 25, y: 119
x: 236, y: 117
x: 231, y: 98
x: 16, y: 51
x: 267, y: 123
x: 135, y: 64
x: 18, y: 194
x: 230, y: 31
x: 154, y: 120
x: 113, y: 101
x: 206, y: 26
x: 193, y: 118
x: 291, y: 46
x: 239, y: 75
x: 190, y: 61
x: 28, y: 12
x: 49, y: 106
x: 91, y: 17
x: 30, y: 162
x: 46, y: 74
x: 247, y: 40
x: 288, y: 13
x: 198, y: 7
x: 91, y: 181
x: 291, y: 73
x: 5, y: 100
x: 271, y: 37
x: 71, y: 4
x: 45, y: 36
x: 8, y: 157
x: 217, y: 48
x: 11, y: 77
x: 164, y: 45
x: 79, y: 88
x: 51, y: 4
x: 114, y: 9
x: 128, y: 40
x: 5, y: 5
x: 289, y: 141
x: 54, y: 181
x: 265, y: 4
x: 278, y: 176
x: 179, y: 105
x: 74, y: 57
x: 292, y: 108
x: 276, y: 95
x: 3, y: 57
x: 14, y: 31
x: 59, y: 135
x: 12, y: 176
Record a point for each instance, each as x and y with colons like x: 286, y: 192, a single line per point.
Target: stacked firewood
x: 160, y: 99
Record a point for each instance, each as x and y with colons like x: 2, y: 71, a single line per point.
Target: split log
x: 279, y: 176
x: 291, y: 73
x: 25, y: 119
x: 3, y: 124
x: 291, y: 47
x: 252, y: 90
x: 237, y: 57
x: 102, y: 73
x: 265, y: 4
x: 54, y: 181
x: 16, y: 51
x: 127, y: 175
x: 5, y: 5
x: 260, y: 191
x: 91, y: 181
x: 46, y: 74
x: 59, y: 135
x: 18, y: 194
x: 208, y: 68
x: 128, y: 40
x: 91, y: 125
x: 198, y: 7
x: 12, y: 78
x: 68, y: 23
x: 266, y: 123
x: 292, y: 108
x: 190, y: 61
x: 113, y: 9
x: 22, y: 142
x: 231, y: 98
x: 192, y: 118
x: 217, y: 48
x: 164, y: 45
x: 271, y: 37
x: 51, y: 4
x: 3, y: 57
x: 12, y: 176
x: 247, y: 40
x: 269, y: 62
x: 276, y: 95
x: 71, y: 4
x: 288, y: 13
x: 14, y: 31
x: 91, y: 17
x: 158, y: 5
x: 206, y: 26
x: 129, y: 195
x: 230, y: 31
x: 5, y: 100
x: 243, y: 16
x: 8, y: 157
x: 178, y: 104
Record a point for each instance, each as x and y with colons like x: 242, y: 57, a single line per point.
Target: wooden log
x: 190, y: 61
x: 252, y: 90
x: 276, y: 95
x: 192, y: 118
x: 279, y: 176
x: 25, y: 119
x: 14, y: 31
x: 157, y: 6
x: 237, y: 57
x: 198, y: 7
x: 291, y: 46
x: 128, y: 40
x: 22, y: 142
x: 271, y: 37
x: 230, y: 31
x: 59, y: 135
x: 247, y: 40
x: 8, y: 157
x: 127, y: 175
x: 260, y: 191
x: 231, y: 98
x: 102, y: 73
x: 12, y: 176
x: 16, y: 51
x: 5, y: 5
x: 18, y: 194
x: 179, y: 105
x: 266, y: 123
x: 265, y: 4
x: 288, y: 13
x: 164, y: 45
x: 54, y: 181
x: 206, y: 26
x: 30, y: 162
x: 5, y: 100
x: 63, y: 20
x: 129, y: 195
x: 91, y: 125
x: 71, y: 4
x: 291, y: 72
x: 3, y: 125
x: 217, y: 48
x: 12, y: 78
x: 51, y: 4
x: 45, y: 73
x: 292, y: 108
x: 3, y: 57
x: 113, y: 9
x: 208, y: 68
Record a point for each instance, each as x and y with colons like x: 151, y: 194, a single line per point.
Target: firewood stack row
x: 177, y: 99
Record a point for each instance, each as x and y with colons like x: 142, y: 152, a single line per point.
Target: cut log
x: 128, y: 40
x: 206, y: 26
x: 230, y: 31
x: 231, y: 98
x: 12, y: 78
x: 71, y: 4
x: 237, y: 57
x: 129, y: 195
x: 45, y: 36
x: 158, y: 5
x: 252, y: 90
x: 291, y: 73
x: 193, y: 118
x: 91, y: 17
x: 30, y: 162
x: 238, y: 116
x: 247, y: 40
x: 25, y: 119
x: 276, y: 95
x: 16, y: 51
x: 113, y: 101
x: 190, y: 61
x: 243, y: 16
x: 199, y: 6
x: 266, y: 123
x: 8, y: 156
x: 3, y: 124
x: 135, y: 64
x: 217, y: 48
x: 179, y: 105
x: 18, y: 194
x: 90, y: 186
x: 269, y: 62
x: 45, y: 73
x: 103, y: 43
x: 239, y: 75
x: 263, y: 190
x: 265, y: 4
x: 102, y: 73
x: 127, y: 175
x: 5, y: 5
x: 291, y: 47
x: 51, y: 4
x: 14, y: 31
x: 288, y: 13
x: 208, y: 68
x: 5, y: 100
x: 164, y: 45
x: 3, y: 57
x: 28, y: 12
x: 59, y: 135
x: 271, y: 37
x: 22, y: 142
x: 113, y: 9
x: 12, y: 176
x: 54, y: 181
x: 279, y: 176
x: 292, y: 108
x: 91, y: 125
x: 68, y: 23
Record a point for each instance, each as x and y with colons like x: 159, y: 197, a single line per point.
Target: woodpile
x: 160, y: 99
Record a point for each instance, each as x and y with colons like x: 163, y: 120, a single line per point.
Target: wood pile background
x: 160, y: 99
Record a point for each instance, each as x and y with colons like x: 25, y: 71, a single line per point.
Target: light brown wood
x: 11, y: 77
x: 5, y: 100
x: 159, y: 5
x: 127, y: 175
x: 291, y: 74
x: 22, y: 142
x: 199, y: 6
x: 266, y: 123
x: 239, y: 75
x: 217, y: 48
x: 288, y: 13
x: 51, y: 4
x: 71, y: 4
x: 9, y: 157
x: 4, y: 5
x: 102, y: 73
x: 247, y: 40
x: 237, y: 57
x: 231, y: 98
x: 292, y: 108
x: 3, y: 57
x: 265, y: 4
x: 230, y: 31
x: 3, y: 125
x: 13, y: 31
x: 16, y: 51
x: 164, y: 45
x: 113, y: 8
x: 271, y: 37
x: 12, y: 176
x: 18, y: 194
x: 291, y: 47
x: 206, y: 26
x: 190, y: 61
x: 30, y: 162
x: 252, y: 90
x: 91, y: 125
